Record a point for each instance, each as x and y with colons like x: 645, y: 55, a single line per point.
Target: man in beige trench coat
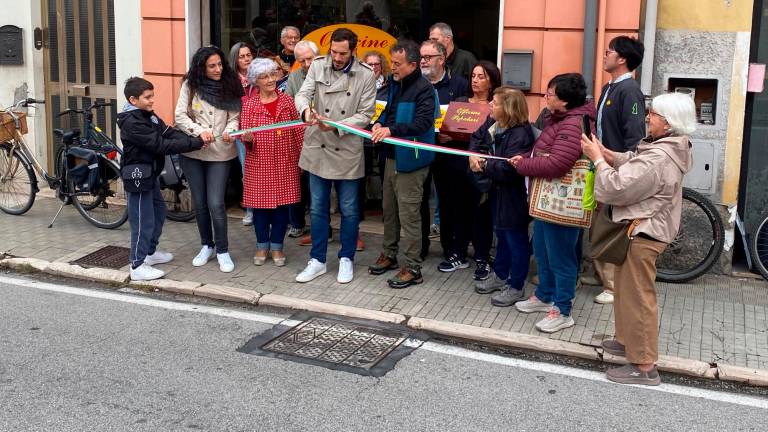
x: 337, y: 87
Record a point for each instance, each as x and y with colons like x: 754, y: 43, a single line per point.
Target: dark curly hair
x: 493, y: 74
x: 570, y: 88
x: 231, y: 88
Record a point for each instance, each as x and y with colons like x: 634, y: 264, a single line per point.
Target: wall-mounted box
x: 11, y: 45
x: 704, y: 94
x: 517, y: 69
x: 702, y: 175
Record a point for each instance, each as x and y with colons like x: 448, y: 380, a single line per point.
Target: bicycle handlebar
x: 25, y: 103
x: 85, y: 110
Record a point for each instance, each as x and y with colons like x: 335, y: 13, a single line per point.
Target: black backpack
x: 83, y: 168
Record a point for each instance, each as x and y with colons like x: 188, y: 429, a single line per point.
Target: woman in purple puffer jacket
x: 554, y: 246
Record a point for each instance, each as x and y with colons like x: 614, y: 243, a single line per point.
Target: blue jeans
x: 512, y: 256
x: 320, y: 191
x: 270, y: 226
x: 554, y: 247
x: 146, y: 215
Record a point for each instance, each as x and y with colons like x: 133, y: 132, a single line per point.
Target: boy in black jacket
x: 146, y: 141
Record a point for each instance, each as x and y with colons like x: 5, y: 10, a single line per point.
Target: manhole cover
x: 113, y: 257
x: 350, y: 345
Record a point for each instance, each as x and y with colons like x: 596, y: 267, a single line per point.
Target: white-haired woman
x: 271, y: 182
x: 644, y: 185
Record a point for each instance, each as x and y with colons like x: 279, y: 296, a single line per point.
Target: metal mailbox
x: 11, y: 45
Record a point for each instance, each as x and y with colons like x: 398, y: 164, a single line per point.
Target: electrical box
x: 702, y: 175
x: 11, y: 46
x: 517, y: 69
x: 703, y: 91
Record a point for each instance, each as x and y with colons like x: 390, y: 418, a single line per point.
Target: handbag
x: 559, y: 200
x: 611, y: 240
x: 138, y: 177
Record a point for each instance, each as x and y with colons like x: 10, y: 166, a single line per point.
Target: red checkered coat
x: 272, y: 172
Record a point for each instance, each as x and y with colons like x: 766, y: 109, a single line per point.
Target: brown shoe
x: 631, y: 374
x: 260, y: 257
x: 360, y: 244
x: 306, y: 240
x: 383, y: 265
x: 612, y: 346
x: 406, y: 277
x: 279, y: 258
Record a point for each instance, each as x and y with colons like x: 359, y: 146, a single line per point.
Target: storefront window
x: 259, y: 21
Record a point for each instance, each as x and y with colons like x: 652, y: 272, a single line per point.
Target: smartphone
x: 586, y: 126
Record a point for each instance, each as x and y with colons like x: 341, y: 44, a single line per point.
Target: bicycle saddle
x: 67, y: 136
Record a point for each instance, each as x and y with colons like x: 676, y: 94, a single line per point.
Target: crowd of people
x: 638, y: 175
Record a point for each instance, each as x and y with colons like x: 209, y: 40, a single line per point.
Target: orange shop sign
x: 368, y: 39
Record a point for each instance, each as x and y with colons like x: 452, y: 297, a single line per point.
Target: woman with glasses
x: 644, y: 185
x: 240, y: 57
x: 271, y: 160
x: 380, y: 67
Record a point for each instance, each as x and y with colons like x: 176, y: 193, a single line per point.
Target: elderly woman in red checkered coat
x: 271, y: 180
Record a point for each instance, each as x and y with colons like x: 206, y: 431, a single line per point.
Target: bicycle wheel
x: 106, y: 206
x: 178, y: 202
x: 698, y: 243
x: 17, y: 181
x: 759, y: 247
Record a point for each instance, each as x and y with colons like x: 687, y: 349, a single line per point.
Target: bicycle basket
x: 83, y: 168
x: 8, y: 126
x: 171, y: 174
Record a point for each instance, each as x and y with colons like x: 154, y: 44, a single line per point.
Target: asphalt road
x: 70, y: 362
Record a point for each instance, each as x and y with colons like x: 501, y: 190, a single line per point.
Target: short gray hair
x: 286, y: 29
x: 260, y: 66
x: 440, y: 48
x: 307, y: 44
x: 444, y: 28
x: 679, y: 110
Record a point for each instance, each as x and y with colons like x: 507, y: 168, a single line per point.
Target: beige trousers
x: 634, y: 302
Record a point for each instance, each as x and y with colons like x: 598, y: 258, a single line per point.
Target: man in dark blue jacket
x: 410, y: 114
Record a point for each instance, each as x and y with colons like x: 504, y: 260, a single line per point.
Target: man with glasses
x: 289, y: 37
x: 409, y: 114
x: 341, y: 88
x: 620, y: 122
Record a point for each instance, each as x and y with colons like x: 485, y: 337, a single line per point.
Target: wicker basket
x: 7, y: 126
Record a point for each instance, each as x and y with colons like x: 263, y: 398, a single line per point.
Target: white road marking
x: 427, y: 346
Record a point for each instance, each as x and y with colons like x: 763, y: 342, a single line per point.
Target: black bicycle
x: 175, y: 190
x: 698, y: 243
x: 758, y: 247
x: 98, y: 195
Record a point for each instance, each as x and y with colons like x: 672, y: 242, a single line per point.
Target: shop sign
x: 368, y: 39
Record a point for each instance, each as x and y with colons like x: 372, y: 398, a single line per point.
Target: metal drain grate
x: 353, y: 346
x: 113, y: 257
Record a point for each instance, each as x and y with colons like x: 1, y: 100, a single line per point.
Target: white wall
x: 127, y: 44
x: 28, y: 16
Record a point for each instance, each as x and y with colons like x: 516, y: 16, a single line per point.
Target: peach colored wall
x: 163, y: 43
x: 554, y: 30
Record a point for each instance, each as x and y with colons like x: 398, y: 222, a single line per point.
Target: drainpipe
x: 590, y: 34
x: 600, y: 48
x: 649, y: 40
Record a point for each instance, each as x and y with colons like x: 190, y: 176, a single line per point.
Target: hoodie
x: 647, y: 185
x: 559, y: 146
x: 146, y: 138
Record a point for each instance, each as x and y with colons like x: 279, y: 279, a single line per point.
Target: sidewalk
x: 715, y: 319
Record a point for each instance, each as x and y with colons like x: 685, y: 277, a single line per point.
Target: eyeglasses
x: 273, y: 74
x: 428, y: 57
x: 609, y: 52
x: 651, y: 112
x: 291, y: 38
x: 371, y: 64
x: 548, y: 95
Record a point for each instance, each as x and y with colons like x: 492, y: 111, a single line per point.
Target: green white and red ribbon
x: 367, y: 135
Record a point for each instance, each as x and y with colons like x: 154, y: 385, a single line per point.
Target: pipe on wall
x: 600, y: 48
x: 590, y: 34
x: 649, y: 40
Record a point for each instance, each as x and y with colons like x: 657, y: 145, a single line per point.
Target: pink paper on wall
x: 756, y: 78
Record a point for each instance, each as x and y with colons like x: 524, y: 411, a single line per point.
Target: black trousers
x: 458, y: 201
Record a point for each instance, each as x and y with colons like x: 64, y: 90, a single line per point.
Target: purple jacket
x: 559, y: 145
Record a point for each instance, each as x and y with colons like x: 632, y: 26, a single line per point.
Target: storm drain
x: 114, y: 257
x: 350, y: 345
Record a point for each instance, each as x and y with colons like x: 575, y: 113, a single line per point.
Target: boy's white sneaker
x: 146, y: 272
x: 314, y: 269
x: 159, y: 257
x: 225, y: 262
x: 206, y: 252
x: 346, y: 271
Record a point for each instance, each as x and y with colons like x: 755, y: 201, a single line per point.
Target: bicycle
x: 698, y: 243
x: 175, y: 190
x: 758, y: 247
x: 103, y: 204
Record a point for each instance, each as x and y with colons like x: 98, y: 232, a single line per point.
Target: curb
x: 689, y: 367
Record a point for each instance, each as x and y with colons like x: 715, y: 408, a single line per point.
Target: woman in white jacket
x: 209, y: 107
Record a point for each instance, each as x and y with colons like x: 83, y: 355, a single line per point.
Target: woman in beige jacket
x: 209, y: 107
x: 644, y: 185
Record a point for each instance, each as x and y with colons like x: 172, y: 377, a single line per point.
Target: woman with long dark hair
x: 209, y: 107
x: 240, y: 56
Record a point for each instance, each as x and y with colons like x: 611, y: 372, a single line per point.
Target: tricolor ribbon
x: 367, y: 135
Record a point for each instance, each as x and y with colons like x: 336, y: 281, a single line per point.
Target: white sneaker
x: 159, y: 257
x: 346, y: 270
x: 604, y: 298
x: 554, y: 321
x: 314, y: 269
x: 206, y: 252
x: 225, y: 262
x: 533, y: 304
x: 248, y: 218
x: 146, y: 272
